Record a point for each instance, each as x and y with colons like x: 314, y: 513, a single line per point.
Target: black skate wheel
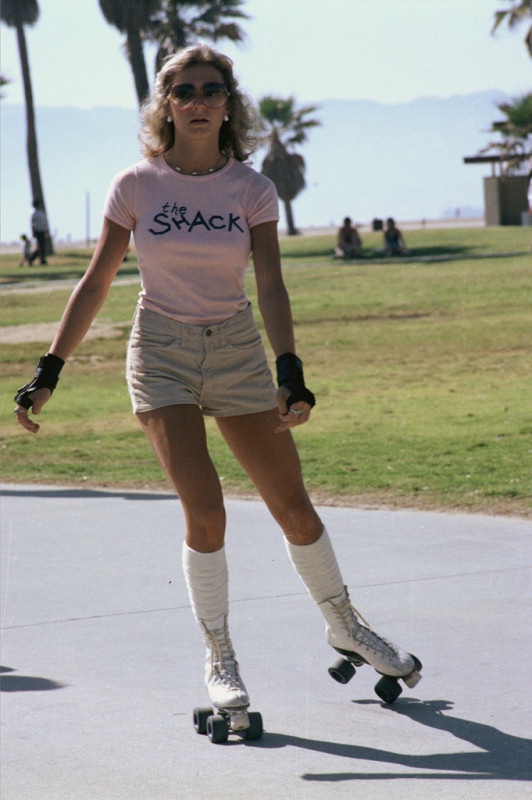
x: 388, y: 689
x: 255, y: 729
x: 199, y: 719
x: 217, y: 729
x: 342, y: 671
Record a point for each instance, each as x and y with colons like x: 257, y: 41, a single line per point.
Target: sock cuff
x: 203, y: 563
x: 206, y: 577
x: 317, y: 567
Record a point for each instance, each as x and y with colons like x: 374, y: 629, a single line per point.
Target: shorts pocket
x: 243, y: 339
x: 150, y: 339
x: 150, y: 330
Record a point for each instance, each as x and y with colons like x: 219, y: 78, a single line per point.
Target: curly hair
x: 238, y: 135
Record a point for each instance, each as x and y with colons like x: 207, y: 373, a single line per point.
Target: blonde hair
x: 238, y: 135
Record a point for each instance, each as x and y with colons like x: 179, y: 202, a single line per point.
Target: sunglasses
x: 212, y: 95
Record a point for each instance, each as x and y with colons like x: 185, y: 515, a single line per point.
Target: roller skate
x: 227, y: 692
x: 358, y: 644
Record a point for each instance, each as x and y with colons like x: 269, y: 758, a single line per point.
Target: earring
x: 169, y: 118
x: 226, y: 118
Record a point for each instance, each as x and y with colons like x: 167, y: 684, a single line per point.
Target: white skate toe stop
x: 412, y: 679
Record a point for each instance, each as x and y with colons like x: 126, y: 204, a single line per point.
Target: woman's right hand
x: 39, y: 398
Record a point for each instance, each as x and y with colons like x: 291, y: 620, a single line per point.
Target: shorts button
x: 208, y: 332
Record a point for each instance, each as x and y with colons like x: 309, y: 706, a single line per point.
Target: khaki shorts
x: 221, y: 368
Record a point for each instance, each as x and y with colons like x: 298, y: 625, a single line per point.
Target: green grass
x: 421, y: 371
x: 65, y: 265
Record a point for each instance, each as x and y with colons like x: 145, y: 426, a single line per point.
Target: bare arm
x: 92, y: 290
x: 273, y: 298
x: 274, y: 305
x: 84, y: 304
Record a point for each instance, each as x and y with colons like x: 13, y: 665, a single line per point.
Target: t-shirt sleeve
x: 119, y: 204
x: 265, y: 204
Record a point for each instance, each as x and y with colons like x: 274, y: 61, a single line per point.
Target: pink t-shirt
x: 192, y: 235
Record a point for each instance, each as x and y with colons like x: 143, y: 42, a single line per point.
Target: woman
x: 197, y: 212
x: 394, y: 243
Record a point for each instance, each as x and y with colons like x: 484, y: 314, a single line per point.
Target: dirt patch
x: 45, y: 332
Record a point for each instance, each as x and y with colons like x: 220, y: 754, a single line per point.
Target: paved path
x: 102, y: 663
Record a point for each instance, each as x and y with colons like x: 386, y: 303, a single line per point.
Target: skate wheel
x: 217, y: 729
x: 388, y: 689
x: 255, y: 729
x: 199, y: 719
x: 342, y: 670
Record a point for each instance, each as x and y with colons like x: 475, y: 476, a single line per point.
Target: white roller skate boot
x: 226, y: 689
x: 206, y: 577
x: 222, y: 677
x: 359, y: 645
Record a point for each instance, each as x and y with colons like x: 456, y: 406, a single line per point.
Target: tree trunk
x: 31, y: 131
x: 138, y: 64
x: 291, y: 228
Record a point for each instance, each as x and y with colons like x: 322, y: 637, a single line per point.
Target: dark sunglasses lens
x: 182, y: 94
x: 213, y: 95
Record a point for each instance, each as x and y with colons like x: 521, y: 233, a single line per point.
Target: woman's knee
x: 300, y: 521
x: 205, y: 527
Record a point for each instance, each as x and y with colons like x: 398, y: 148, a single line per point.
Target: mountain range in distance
x: 365, y: 160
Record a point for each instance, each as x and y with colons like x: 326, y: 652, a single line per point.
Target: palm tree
x: 517, y: 13
x: 131, y: 17
x: 16, y: 14
x: 286, y: 126
x: 516, y: 132
x: 178, y: 23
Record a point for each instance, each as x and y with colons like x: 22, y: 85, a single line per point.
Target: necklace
x: 219, y: 164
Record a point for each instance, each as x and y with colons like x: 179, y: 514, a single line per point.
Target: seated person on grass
x: 394, y: 243
x: 349, y: 244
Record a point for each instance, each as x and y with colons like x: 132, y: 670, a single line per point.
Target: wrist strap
x: 46, y: 377
x: 290, y: 375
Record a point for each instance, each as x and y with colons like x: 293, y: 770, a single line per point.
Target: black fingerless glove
x: 290, y: 375
x: 46, y: 377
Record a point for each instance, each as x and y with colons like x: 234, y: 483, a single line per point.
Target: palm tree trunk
x: 138, y: 64
x: 291, y: 228
x: 31, y: 132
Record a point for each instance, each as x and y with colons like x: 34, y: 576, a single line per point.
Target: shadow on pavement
x: 501, y: 756
x: 25, y: 683
x: 78, y: 494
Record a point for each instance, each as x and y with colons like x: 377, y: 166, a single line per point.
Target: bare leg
x: 177, y: 436
x: 271, y: 461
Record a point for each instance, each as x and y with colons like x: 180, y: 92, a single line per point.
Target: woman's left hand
x: 297, y: 414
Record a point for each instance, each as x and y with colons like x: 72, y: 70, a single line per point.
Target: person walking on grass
x: 26, y: 251
x: 40, y: 231
x: 197, y: 213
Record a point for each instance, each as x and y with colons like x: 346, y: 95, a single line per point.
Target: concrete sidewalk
x: 102, y: 662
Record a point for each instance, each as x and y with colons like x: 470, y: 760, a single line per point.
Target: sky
x: 386, y: 51
x: 389, y: 51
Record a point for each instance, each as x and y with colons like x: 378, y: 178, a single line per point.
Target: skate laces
x: 371, y: 640
x: 223, y: 661
x: 348, y: 615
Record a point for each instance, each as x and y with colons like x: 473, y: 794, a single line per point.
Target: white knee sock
x: 207, y: 582
x: 317, y: 567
